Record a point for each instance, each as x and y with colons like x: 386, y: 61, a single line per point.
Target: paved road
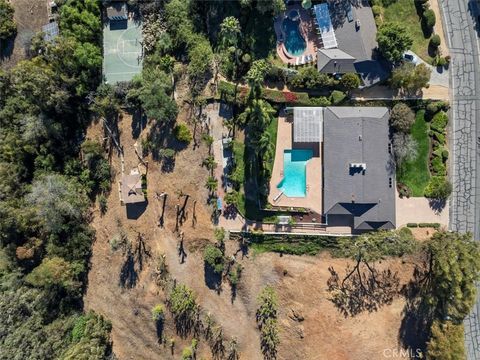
x: 465, y: 84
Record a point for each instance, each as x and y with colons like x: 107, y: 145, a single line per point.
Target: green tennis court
x: 122, y: 51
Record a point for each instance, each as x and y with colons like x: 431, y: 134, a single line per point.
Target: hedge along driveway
x: 415, y: 174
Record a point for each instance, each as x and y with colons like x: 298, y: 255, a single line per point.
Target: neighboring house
x: 348, y: 33
x: 131, y: 189
x: 358, y: 168
x: 335, y: 61
x: 117, y: 11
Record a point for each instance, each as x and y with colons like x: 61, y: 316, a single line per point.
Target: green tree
x: 182, y: 133
x: 410, y: 78
x: 257, y: 72
x: 350, y: 81
x: 81, y: 20
x: 274, y: 6
x: 393, y: 40
x: 211, y: 184
x: 200, y: 55
x: 447, y: 341
x: 309, y: 77
x: 56, y: 272
x: 56, y: 200
x: 152, y: 90
x: 90, y: 339
x: 182, y: 304
x: 266, y: 316
x: 402, y: 117
x: 229, y: 32
x: 454, y: 265
x: 214, y: 259
x: 8, y: 27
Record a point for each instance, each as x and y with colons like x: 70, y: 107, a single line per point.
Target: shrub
x: 336, y: 97
x: 377, y: 10
x: 439, y: 121
x: 445, y: 154
x: 350, y: 81
x: 438, y: 188
x: 320, y: 101
x: 446, y: 341
x: 166, y: 153
x: 429, y: 225
x: 213, y: 258
x: 441, y: 61
x: 435, y: 106
x: 435, y: 41
x: 402, y: 117
x: 429, y: 18
x: 439, y: 137
x: 102, y: 203
x: 182, y: 133
x: 8, y: 27
x: 412, y: 225
x: 438, y: 166
x: 158, y: 312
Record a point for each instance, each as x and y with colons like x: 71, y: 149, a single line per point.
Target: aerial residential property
x: 239, y: 180
x: 337, y: 161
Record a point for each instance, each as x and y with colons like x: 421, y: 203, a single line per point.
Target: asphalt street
x: 461, y: 31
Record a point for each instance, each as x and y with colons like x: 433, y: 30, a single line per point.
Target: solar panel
x: 307, y: 124
x: 324, y: 22
x: 51, y: 31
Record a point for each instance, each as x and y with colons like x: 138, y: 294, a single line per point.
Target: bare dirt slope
x: 125, y: 292
x: 30, y: 16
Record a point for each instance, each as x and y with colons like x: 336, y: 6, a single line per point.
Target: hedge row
x: 424, y: 225
x: 226, y: 91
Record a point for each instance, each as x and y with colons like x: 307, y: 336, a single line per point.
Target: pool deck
x: 308, y: 31
x: 313, y: 199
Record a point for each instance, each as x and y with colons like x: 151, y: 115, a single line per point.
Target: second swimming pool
x: 294, y: 41
x: 294, y: 182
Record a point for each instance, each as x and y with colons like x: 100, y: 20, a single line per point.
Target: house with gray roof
x: 358, y: 168
x: 335, y: 61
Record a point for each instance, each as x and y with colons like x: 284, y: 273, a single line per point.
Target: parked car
x: 410, y: 58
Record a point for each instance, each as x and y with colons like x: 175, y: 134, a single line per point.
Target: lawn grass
x: 415, y: 174
x: 405, y: 13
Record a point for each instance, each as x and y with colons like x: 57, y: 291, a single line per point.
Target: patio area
x: 313, y: 198
x: 307, y: 29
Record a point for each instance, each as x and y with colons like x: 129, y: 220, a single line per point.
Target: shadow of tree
x: 128, y: 273
x: 213, y: 280
x: 417, y: 315
x: 362, y: 290
x: 437, y: 205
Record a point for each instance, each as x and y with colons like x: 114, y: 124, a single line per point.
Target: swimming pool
x: 294, y: 182
x: 294, y: 41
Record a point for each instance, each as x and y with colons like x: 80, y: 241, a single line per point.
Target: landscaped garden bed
x: 426, y: 174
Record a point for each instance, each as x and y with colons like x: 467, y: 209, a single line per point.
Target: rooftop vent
x: 359, y: 166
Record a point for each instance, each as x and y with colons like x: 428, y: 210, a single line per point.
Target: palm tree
x: 256, y: 75
x: 209, y: 163
x: 229, y: 31
x: 259, y: 114
x: 211, y: 184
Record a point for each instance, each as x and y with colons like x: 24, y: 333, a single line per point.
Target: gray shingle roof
x: 307, y: 124
x: 332, y: 61
x: 359, y: 174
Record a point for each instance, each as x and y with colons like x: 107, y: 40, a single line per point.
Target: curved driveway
x: 459, y: 18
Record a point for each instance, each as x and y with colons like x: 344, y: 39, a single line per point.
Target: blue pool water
x: 294, y: 182
x: 294, y: 41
